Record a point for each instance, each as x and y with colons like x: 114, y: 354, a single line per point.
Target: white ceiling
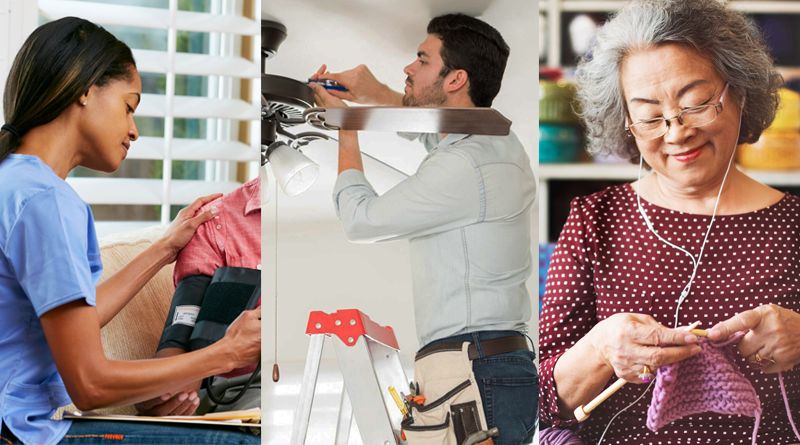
x: 384, y: 35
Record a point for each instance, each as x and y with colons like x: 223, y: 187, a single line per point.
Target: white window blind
x: 207, y: 100
x: 17, y: 21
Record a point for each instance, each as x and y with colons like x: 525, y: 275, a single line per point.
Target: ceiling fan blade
x: 485, y: 121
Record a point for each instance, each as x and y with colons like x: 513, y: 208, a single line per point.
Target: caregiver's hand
x: 185, y: 225
x: 628, y: 342
x: 774, y: 333
x: 243, y: 338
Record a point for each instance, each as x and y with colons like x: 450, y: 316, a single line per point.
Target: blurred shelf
x: 767, y: 6
x: 629, y: 172
x: 587, y: 171
x: 789, y: 72
x: 783, y: 178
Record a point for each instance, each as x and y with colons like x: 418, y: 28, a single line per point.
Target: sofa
x: 134, y: 333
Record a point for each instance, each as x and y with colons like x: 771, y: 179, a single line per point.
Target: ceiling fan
x: 286, y: 103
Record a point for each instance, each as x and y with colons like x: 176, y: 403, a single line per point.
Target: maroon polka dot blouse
x: 607, y: 261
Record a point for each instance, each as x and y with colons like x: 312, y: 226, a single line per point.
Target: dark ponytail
x: 57, y: 64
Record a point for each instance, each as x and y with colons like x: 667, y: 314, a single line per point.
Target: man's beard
x: 432, y: 96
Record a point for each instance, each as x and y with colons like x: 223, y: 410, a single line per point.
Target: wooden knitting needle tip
x: 693, y: 329
x: 580, y: 414
x: 692, y: 326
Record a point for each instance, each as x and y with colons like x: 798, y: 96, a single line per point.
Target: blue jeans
x: 509, y: 386
x: 84, y: 432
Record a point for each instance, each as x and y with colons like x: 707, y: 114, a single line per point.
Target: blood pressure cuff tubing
x: 203, y: 307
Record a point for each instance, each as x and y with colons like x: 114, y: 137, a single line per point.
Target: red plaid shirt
x: 232, y: 238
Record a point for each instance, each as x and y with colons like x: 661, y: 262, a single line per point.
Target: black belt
x: 489, y: 347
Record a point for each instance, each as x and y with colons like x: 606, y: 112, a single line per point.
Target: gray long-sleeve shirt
x: 466, y: 214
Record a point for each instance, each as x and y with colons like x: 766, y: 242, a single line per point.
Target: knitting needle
x: 582, y: 412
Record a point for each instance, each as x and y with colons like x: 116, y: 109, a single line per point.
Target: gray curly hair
x: 735, y: 47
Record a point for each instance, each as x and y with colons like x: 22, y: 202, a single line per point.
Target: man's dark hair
x: 476, y: 47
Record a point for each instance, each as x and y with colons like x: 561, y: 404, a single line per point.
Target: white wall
x: 318, y: 268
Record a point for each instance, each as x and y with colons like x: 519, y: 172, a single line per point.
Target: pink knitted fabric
x: 559, y: 436
x: 708, y: 381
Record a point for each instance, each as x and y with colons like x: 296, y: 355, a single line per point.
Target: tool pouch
x: 453, y: 409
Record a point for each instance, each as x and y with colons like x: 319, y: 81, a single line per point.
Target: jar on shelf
x: 558, y: 143
x: 559, y: 137
x: 778, y: 148
x: 556, y: 100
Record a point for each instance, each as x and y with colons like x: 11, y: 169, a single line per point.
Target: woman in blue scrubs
x: 69, y: 101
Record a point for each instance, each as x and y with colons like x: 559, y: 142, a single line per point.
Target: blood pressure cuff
x: 203, y: 307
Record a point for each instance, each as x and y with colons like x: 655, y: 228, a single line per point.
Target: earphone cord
x: 623, y: 410
x: 695, y: 261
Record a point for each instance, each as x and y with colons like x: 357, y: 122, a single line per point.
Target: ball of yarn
x: 559, y: 436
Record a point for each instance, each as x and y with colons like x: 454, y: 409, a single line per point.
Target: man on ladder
x: 466, y: 214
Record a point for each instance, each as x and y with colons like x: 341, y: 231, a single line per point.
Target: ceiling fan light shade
x: 293, y: 171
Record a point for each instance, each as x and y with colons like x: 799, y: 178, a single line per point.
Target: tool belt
x: 450, y: 411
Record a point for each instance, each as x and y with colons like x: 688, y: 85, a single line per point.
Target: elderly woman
x: 674, y: 85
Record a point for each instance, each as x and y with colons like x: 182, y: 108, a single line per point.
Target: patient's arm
x: 181, y: 402
x: 200, y: 257
x: 178, y: 329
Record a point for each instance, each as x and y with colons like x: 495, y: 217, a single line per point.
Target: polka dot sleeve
x: 569, y: 309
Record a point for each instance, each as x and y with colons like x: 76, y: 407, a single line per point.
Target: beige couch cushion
x: 134, y: 333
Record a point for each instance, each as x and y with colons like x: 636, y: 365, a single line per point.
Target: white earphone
x: 695, y: 261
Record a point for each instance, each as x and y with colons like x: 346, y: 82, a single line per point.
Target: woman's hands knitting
x: 772, y: 332
x: 628, y: 342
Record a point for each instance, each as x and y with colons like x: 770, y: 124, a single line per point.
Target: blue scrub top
x: 49, y: 256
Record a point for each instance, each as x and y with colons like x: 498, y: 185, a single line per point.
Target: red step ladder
x: 369, y: 359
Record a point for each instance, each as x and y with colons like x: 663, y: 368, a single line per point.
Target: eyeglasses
x: 692, y: 117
